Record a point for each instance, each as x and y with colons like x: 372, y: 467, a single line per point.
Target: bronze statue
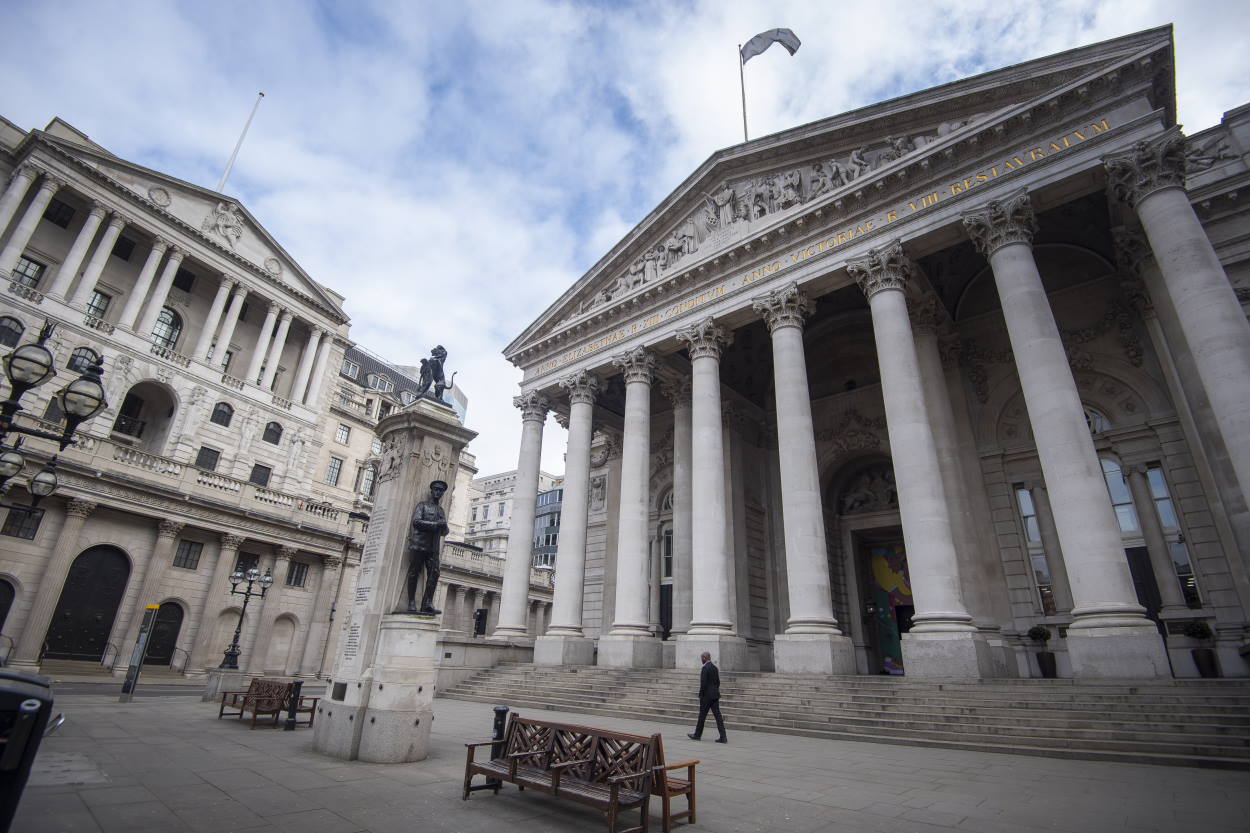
x: 432, y: 374
x: 429, y: 523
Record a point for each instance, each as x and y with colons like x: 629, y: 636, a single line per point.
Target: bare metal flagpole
x: 743, y: 84
x: 221, y: 183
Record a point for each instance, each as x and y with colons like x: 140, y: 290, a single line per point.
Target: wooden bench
x: 667, y: 787
x: 610, y: 771
x: 265, y: 698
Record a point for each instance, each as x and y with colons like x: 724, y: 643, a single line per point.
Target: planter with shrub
x: 1045, y: 659
x: 1204, y: 656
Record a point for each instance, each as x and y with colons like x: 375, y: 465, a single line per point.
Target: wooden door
x: 84, y: 615
x: 164, y: 636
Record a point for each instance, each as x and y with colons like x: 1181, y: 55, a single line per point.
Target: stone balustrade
x: 475, y: 561
x: 170, y: 355
x: 21, y: 290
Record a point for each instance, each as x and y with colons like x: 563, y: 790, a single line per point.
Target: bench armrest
x: 481, y: 743
x: 677, y: 766
x: 624, y: 776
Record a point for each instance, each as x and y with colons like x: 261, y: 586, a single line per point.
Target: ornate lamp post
x: 231, y: 659
x: 27, y: 367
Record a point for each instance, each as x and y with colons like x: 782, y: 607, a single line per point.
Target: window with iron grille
x: 168, y: 328
x: 207, y: 458
x: 28, y: 272
x: 22, y: 523
x: 188, y: 554
x: 58, y: 213
x: 99, y: 303
x: 260, y: 475
x: 82, y: 359
x: 296, y: 574
x: 343, y: 434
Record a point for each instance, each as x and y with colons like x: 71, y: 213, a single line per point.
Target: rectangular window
x: 499, y: 510
x: 668, y: 552
x: 474, y: 514
x: 99, y: 303
x: 486, y: 511
x: 350, y: 369
x: 123, y: 248
x: 246, y: 561
x: 343, y: 434
x: 260, y: 475
x: 188, y: 554
x: 58, y: 213
x: 333, y: 470
x: 22, y: 523
x: 28, y: 272
x: 297, y: 574
x: 207, y: 458
x: 376, y: 446
x: 225, y: 362
x: 1176, y: 541
x: 184, y: 280
x: 367, y: 479
x: 1036, y: 551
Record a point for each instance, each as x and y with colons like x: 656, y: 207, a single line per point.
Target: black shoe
x: 429, y: 611
x: 694, y: 737
x: 722, y: 740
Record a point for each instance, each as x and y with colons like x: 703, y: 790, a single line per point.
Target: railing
x: 98, y: 324
x: 104, y: 660
x: 320, y: 510
x: 130, y: 426
x: 173, y: 660
x: 274, y: 498
x: 233, y: 381
x: 143, y: 460
x: 6, y: 649
x: 21, y: 290
x: 169, y: 355
x: 282, y: 403
x: 218, y: 481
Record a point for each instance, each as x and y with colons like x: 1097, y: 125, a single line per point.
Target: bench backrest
x: 268, y: 695
x: 605, y: 752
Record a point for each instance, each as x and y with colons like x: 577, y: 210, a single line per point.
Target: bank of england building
x: 881, y: 393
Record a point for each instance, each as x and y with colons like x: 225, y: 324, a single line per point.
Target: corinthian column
x: 275, y: 352
x: 139, y: 292
x: 1151, y: 179
x: 157, y: 301
x: 95, y: 266
x: 942, y: 641
x: 19, y: 184
x: 679, y: 393
x: 26, y: 226
x: 812, y: 642
x: 262, y: 345
x: 305, y: 364
x: 564, y: 643
x: 1110, y: 635
x: 55, y: 571
x: 68, y: 269
x: 314, y: 642
x: 270, y: 606
x: 167, y: 533
x: 213, y: 319
x: 205, y: 654
x: 711, y: 623
x: 630, y: 643
x: 516, y: 571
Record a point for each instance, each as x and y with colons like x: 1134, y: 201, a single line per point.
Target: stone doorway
x: 885, y: 588
x: 84, y: 615
x: 164, y: 634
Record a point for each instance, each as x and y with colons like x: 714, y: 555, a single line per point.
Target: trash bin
x: 25, y: 708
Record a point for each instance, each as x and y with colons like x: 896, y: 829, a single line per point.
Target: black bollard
x: 497, y: 748
x: 291, y: 706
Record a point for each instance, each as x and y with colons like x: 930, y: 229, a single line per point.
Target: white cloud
x: 453, y: 168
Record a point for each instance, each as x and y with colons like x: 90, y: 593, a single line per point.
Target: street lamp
x: 231, y: 659
x: 27, y: 367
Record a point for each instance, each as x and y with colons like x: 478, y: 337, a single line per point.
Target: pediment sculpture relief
x: 225, y: 222
x: 728, y: 212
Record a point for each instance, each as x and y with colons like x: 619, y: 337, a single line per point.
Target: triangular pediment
x: 221, y: 221
x: 744, y: 191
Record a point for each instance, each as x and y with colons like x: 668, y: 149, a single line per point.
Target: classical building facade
x: 880, y: 393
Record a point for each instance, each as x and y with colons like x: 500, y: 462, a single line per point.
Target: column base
x: 961, y: 654
x: 1118, y: 652
x: 510, y: 637
x: 629, y: 652
x: 728, y: 651
x: 813, y: 653
x: 564, y: 650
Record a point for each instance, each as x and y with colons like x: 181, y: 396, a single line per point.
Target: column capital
x: 176, y: 254
x: 286, y: 553
x: 285, y: 315
x: 705, y: 339
x: 886, y: 268
x: 331, y: 563
x: 533, y: 405
x: 583, y: 386
x: 1002, y: 222
x: 160, y: 245
x: 563, y: 421
x: 230, y: 541
x: 119, y: 220
x: 784, y: 307
x: 274, y: 307
x: 677, y: 389
x: 169, y: 529
x: 1150, y: 166
x: 52, y: 182
x: 239, y: 288
x: 98, y: 209
x: 79, y: 508
x: 637, y: 364
x: 26, y: 170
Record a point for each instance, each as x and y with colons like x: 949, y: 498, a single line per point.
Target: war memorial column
x: 812, y: 643
x: 1151, y: 179
x: 1110, y: 635
x: 942, y: 641
x: 630, y: 643
x: 516, y: 571
x: 679, y: 393
x: 564, y: 643
x: 711, y: 624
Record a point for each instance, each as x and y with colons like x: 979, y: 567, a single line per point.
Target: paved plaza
x: 167, y: 764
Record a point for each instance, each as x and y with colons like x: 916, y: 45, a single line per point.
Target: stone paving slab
x: 168, y: 765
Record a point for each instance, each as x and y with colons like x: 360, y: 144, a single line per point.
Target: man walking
x: 709, y: 699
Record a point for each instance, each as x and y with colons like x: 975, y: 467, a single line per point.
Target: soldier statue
x: 429, y: 523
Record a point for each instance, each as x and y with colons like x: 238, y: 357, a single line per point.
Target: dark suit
x: 709, y: 698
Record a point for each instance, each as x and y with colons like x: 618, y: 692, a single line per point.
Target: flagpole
x: 743, y: 85
x: 221, y: 183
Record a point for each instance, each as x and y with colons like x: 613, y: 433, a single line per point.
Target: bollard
x: 290, y: 709
x: 496, y: 749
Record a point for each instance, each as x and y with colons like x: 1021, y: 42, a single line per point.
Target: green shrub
x: 1198, y: 630
x: 1039, y: 633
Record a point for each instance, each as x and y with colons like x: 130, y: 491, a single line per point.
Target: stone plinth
x: 564, y: 650
x: 730, y: 653
x: 380, y: 700
x: 628, y: 651
x: 947, y: 654
x: 813, y: 653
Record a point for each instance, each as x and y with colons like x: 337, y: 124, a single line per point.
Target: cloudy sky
x: 452, y: 167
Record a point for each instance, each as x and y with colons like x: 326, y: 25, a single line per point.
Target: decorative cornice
x: 533, y: 405
x: 1150, y: 166
x: 784, y: 307
x: 1002, y: 222
x: 886, y: 268
x: 705, y: 340
x: 637, y: 365
x: 583, y: 386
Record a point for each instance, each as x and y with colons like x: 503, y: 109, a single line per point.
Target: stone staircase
x: 1175, y: 722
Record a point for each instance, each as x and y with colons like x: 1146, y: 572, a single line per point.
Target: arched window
x: 273, y: 433
x: 168, y: 328
x: 1096, y: 421
x: 10, y: 331
x: 222, y: 414
x: 82, y: 359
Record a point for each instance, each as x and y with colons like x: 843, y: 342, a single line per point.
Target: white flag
x: 763, y: 40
